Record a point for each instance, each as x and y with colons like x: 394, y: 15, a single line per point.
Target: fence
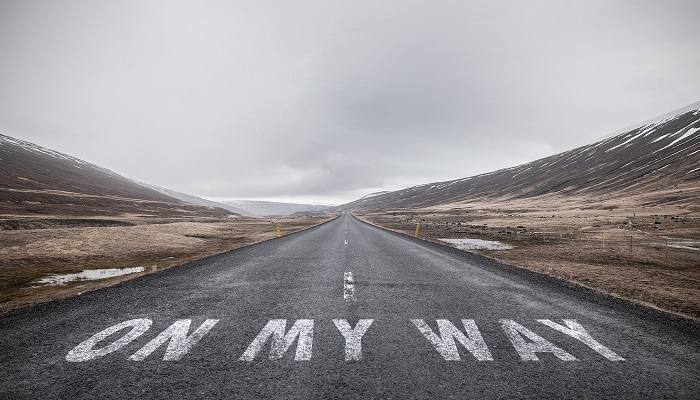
x: 620, y: 241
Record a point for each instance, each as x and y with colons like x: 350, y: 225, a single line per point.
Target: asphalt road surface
x: 346, y: 310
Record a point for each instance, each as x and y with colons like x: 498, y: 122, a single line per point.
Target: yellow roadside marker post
x: 416, y: 234
x: 278, y: 230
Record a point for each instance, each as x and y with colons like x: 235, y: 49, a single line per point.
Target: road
x: 346, y: 310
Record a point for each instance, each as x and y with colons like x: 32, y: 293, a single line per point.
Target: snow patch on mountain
x: 369, y: 196
x: 35, y: 148
x: 695, y: 108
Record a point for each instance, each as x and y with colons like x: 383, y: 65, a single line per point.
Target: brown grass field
x: 631, y: 253
x: 35, y: 247
x: 626, y: 254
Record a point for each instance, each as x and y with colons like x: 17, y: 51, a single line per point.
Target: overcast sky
x: 330, y: 100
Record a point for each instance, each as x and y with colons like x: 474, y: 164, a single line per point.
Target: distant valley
x: 269, y: 208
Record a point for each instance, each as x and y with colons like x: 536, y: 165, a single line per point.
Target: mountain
x: 375, y: 194
x: 650, y: 160
x: 35, y: 180
x: 194, y: 199
x: 275, y: 208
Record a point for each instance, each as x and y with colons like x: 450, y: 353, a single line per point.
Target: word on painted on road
x: 180, y: 341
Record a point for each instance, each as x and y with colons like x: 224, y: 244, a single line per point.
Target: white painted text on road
x: 528, y: 345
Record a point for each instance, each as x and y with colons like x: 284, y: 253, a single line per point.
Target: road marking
x: 445, y: 343
x: 445, y: 340
x: 348, y: 286
x: 515, y: 333
x: 179, y: 343
x: 85, y: 351
x: 575, y: 330
x: 302, y: 328
x: 353, y: 337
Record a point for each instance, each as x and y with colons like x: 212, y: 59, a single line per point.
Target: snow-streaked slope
x: 29, y: 147
x: 38, y: 180
x: 654, y: 155
x: 654, y: 121
x: 375, y: 194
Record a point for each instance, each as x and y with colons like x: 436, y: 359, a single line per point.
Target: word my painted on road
x: 276, y: 340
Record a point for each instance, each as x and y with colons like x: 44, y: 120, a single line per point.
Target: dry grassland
x: 625, y: 255
x: 33, y: 248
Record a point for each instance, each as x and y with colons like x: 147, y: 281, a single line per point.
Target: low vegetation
x: 653, y: 259
x: 32, y: 248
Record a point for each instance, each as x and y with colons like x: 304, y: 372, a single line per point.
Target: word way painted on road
x: 526, y: 343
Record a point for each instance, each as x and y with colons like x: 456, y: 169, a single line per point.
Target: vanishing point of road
x: 346, y: 310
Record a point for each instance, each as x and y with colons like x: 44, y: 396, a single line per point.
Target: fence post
x: 630, y: 244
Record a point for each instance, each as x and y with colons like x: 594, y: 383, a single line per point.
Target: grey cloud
x: 332, y: 99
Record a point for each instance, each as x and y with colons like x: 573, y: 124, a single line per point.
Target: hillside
x: 649, y: 161
x: 40, y: 181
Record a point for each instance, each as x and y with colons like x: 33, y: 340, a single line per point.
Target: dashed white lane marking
x: 348, y: 286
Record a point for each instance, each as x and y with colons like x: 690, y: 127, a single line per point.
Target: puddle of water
x: 686, y: 244
x: 88, y: 275
x: 477, y: 244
